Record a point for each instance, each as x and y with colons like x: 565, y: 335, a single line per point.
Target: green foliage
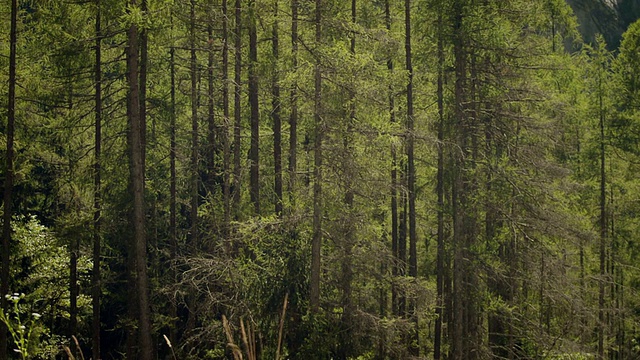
x: 532, y: 168
x: 24, y: 332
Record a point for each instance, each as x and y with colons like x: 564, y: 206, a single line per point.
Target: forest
x: 317, y: 179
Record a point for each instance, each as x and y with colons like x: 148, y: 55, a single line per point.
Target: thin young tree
x: 173, y: 227
x: 9, y: 175
x: 316, y: 242
x: 194, y: 173
x: 275, y: 113
x: 346, y: 333
x: 96, y: 286
x: 237, y: 115
x: 293, y: 99
x: 603, y: 201
x: 254, y: 105
x: 437, y: 336
x: 225, y: 112
x: 394, y: 178
x: 411, y: 173
x: 211, y: 150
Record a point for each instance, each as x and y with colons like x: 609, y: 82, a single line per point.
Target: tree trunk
x: 275, y: 113
x: 347, y: 342
x: 293, y: 118
x: 466, y: 340
x: 137, y: 189
x: 211, y: 151
x: 194, y: 128
x: 402, y: 241
x: 194, y: 171
x: 225, y: 109
x: 173, y: 233
x: 96, y: 286
x: 394, y: 179
x: 143, y: 87
x: 254, y: 150
x: 8, y: 181
x: 414, y: 348
x: 74, y: 249
x: 317, y: 170
x: 603, y: 223
x: 236, y: 109
x: 437, y: 337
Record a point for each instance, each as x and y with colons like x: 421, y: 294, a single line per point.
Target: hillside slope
x: 608, y: 17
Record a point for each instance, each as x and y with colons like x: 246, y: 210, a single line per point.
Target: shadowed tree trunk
x: 346, y: 334
x: 316, y: 242
x: 194, y: 127
x: 466, y: 339
x: 275, y: 113
x: 211, y: 151
x: 96, y: 286
x: 173, y: 232
x: 602, y: 222
x: 437, y: 336
x: 194, y: 173
x: 225, y: 109
x: 293, y: 118
x: 254, y: 150
x: 143, y: 86
x: 411, y: 178
x: 8, y: 180
x: 137, y: 189
x: 394, y: 179
x: 237, y: 116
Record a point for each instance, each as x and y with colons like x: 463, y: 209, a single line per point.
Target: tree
x: 227, y: 121
x: 437, y: 336
x: 9, y: 174
x: 275, y: 114
x: 293, y: 99
x: 236, y: 107
x: 411, y: 172
x: 96, y: 286
x: 316, y: 241
x: 136, y: 167
x: 254, y: 151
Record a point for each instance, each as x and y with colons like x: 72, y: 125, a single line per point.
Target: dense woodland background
x: 318, y: 179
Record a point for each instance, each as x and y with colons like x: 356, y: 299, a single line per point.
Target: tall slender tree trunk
x: 411, y: 178
x: 237, y: 115
x: 348, y: 162
x: 254, y: 150
x: 316, y: 242
x: 275, y: 113
x: 437, y: 337
x: 194, y: 171
x: 211, y: 151
x: 9, y: 175
x: 602, y: 224
x: 173, y: 232
x: 74, y: 289
x: 137, y: 189
x: 225, y: 110
x: 194, y: 127
x: 144, y: 54
x: 402, y: 238
x: 293, y: 117
x: 96, y: 286
x: 394, y: 178
x: 466, y: 340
